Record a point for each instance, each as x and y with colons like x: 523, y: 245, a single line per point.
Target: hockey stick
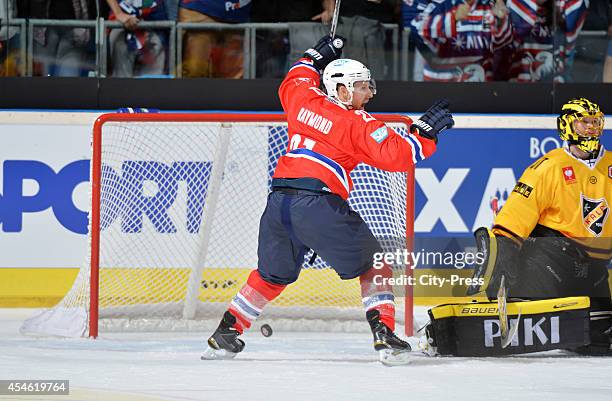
x: 334, y: 24
x: 508, y: 331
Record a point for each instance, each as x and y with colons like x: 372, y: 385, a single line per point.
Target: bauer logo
x: 478, y: 311
x: 532, y: 331
x: 170, y: 196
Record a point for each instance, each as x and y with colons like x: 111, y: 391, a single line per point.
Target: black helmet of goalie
x: 581, y: 123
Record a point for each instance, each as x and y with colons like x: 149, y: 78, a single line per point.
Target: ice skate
x: 392, y: 350
x: 224, y: 343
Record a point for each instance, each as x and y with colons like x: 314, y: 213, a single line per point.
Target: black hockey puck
x: 266, y: 330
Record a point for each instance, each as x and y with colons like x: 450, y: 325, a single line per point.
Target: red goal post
x: 223, y: 118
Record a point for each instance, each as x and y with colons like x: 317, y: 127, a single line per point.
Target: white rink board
x: 57, y: 139
x: 246, y: 166
x: 43, y: 241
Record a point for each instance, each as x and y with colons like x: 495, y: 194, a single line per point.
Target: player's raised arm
x: 379, y: 146
x: 306, y: 72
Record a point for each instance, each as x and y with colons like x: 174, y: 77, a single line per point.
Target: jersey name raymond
x: 314, y: 120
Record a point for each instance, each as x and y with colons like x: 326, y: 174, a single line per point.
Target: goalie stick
x: 507, y: 331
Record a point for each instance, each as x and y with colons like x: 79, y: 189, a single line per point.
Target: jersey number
x: 297, y: 139
x: 365, y: 115
x: 537, y: 163
x: 317, y: 91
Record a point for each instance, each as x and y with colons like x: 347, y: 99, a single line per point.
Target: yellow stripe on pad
x: 513, y: 308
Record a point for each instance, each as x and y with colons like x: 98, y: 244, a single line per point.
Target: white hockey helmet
x: 346, y: 72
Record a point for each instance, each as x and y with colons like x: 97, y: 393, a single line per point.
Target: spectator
x: 532, y: 24
x: 275, y: 47
x: 293, y: 11
x: 136, y: 52
x: 9, y: 48
x: 544, y: 51
x: 172, y: 9
x: 571, y: 16
x: 465, y: 38
x: 409, y: 10
x: 61, y: 51
x: 361, y: 23
x: 590, y: 50
x: 213, y: 54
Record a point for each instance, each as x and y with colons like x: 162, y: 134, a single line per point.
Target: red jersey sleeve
x: 327, y: 140
x: 295, y: 88
x: 380, y: 146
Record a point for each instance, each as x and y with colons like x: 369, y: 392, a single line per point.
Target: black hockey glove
x: 325, y: 51
x: 435, y: 120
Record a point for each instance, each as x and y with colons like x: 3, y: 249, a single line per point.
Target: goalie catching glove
x: 325, y: 51
x: 435, y: 120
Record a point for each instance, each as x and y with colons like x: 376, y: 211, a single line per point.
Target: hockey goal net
x: 176, y: 202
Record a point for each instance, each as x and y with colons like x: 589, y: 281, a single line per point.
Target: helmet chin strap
x: 349, y: 102
x: 591, y: 154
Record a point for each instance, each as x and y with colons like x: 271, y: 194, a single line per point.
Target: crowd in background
x: 449, y: 40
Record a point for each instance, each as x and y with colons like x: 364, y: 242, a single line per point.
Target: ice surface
x: 287, y: 366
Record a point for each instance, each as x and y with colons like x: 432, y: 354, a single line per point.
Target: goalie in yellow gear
x: 553, y: 236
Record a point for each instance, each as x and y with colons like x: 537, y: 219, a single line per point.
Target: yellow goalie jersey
x: 565, y: 194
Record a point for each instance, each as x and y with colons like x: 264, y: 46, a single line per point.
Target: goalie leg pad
x: 600, y: 327
x: 473, y: 329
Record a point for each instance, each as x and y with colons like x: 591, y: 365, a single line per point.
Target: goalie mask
x: 346, y: 72
x: 581, y: 123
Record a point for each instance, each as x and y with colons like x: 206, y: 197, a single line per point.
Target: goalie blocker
x: 473, y: 329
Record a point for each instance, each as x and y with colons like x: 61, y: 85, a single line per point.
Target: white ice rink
x: 286, y: 366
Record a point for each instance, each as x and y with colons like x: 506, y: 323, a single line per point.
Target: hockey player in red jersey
x: 329, y: 134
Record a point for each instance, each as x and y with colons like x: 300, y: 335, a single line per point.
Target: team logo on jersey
x: 594, y: 214
x: 300, y: 81
x: 380, y: 134
x: 569, y: 175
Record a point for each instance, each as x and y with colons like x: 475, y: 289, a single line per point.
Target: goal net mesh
x: 179, y: 208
